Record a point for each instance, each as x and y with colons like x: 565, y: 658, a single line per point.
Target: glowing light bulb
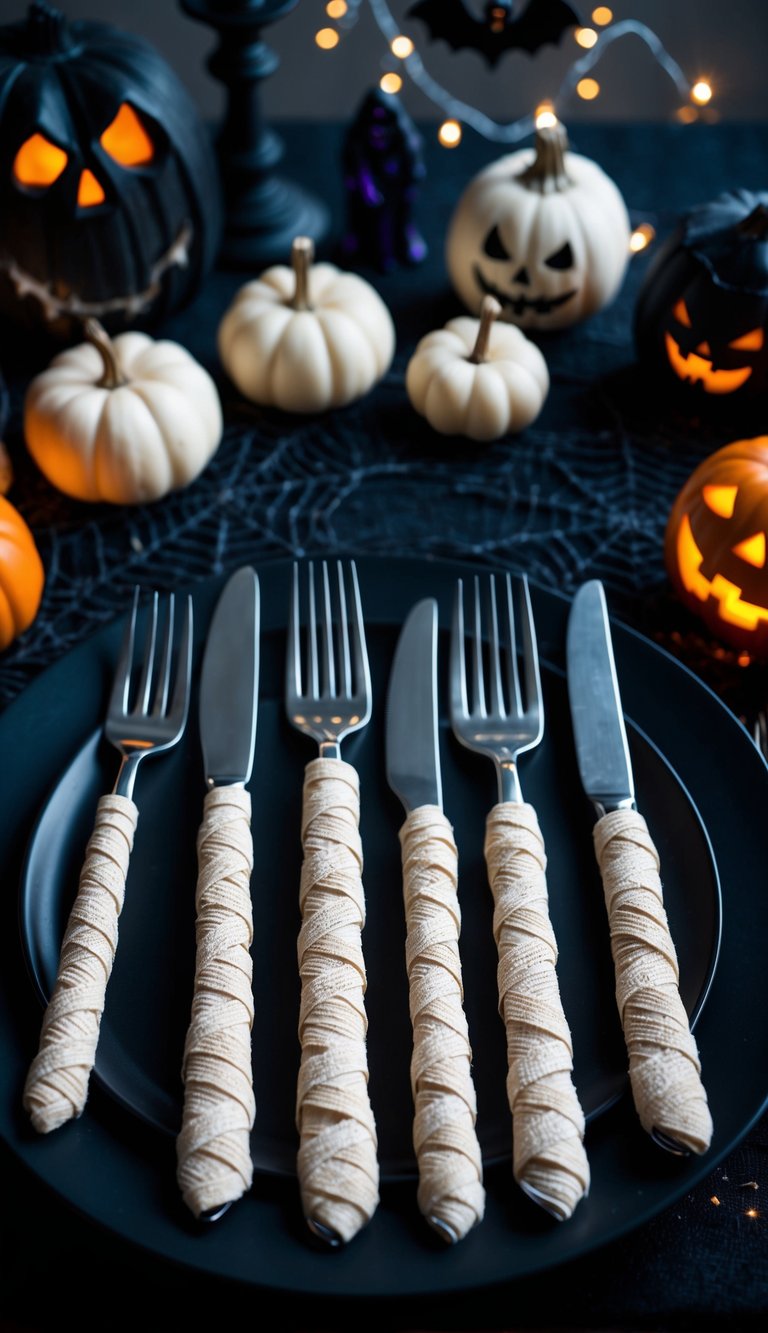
x: 641, y: 237
x: 336, y: 9
x: 586, y: 37
x: 701, y: 92
x: 402, y: 47
x: 544, y: 116
x: 390, y: 83
x: 602, y: 15
x: 449, y: 133
x: 327, y: 38
x: 588, y: 89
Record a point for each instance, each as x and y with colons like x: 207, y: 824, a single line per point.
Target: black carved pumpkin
x: 701, y: 315
x: 109, y: 191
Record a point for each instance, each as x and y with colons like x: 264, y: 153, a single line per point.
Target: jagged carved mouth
x: 732, y: 605
x: 520, y: 305
x: 71, y: 305
x: 698, y: 370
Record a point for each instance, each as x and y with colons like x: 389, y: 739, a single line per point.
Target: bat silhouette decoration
x: 540, y: 22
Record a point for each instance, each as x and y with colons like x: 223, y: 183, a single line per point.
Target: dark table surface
x: 584, y: 492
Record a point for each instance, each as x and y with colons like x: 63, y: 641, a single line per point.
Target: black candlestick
x: 263, y: 212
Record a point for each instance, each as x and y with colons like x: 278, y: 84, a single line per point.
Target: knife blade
x: 214, y: 1165
x: 664, y: 1064
x: 451, y: 1194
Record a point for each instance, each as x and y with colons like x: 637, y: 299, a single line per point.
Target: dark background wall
x: 724, y: 41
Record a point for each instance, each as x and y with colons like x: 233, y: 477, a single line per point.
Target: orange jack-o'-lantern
x: 716, y: 545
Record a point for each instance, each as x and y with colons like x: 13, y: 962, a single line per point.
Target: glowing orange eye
x: 89, y: 191
x: 749, y: 342
x: 680, y: 313
x: 720, y: 499
x: 126, y: 140
x: 39, y: 162
x: 752, y: 550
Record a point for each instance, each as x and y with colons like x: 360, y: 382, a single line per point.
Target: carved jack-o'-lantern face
x: 109, y: 196
x: 702, y: 312
x: 717, y: 544
x: 541, y: 283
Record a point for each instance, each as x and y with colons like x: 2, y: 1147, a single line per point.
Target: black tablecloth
x: 584, y: 492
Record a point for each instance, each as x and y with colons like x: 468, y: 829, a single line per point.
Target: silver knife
x: 214, y: 1165
x: 664, y: 1066
x: 451, y: 1195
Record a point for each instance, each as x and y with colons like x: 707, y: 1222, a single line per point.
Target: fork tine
x: 118, y: 701
x: 327, y: 673
x: 145, y: 679
x: 478, y: 689
x: 361, y: 666
x: 313, y: 684
x: 494, y: 666
x: 293, y: 659
x: 180, y: 697
x: 530, y: 656
x: 513, y: 673
x: 458, y: 661
x: 345, y: 661
x: 160, y: 702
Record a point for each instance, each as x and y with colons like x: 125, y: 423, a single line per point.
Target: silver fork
x: 140, y: 722
x: 328, y: 697
x: 501, y: 717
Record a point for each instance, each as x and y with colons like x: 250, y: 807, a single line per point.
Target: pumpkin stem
x: 97, y: 336
x: 489, y: 312
x: 755, y: 226
x: 48, y: 29
x: 302, y: 254
x: 547, y: 174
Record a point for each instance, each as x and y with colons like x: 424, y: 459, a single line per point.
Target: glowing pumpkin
x: 701, y: 315
x: 21, y: 575
x: 109, y: 190
x: 715, y: 546
x: 544, y: 231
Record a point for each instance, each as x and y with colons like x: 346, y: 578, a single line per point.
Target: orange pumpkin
x: 715, y: 546
x: 21, y: 575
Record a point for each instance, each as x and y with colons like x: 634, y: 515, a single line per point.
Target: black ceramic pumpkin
x: 110, y: 203
x: 702, y: 310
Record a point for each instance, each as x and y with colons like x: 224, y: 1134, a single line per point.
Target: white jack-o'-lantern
x: 544, y: 231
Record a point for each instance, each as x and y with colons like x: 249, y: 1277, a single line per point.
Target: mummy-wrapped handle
x: 214, y: 1165
x: 337, y: 1161
x: 56, y: 1087
x: 451, y: 1194
x: 549, y: 1160
x: 664, y: 1066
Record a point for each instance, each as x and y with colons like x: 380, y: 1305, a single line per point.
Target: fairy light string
x: 578, y: 80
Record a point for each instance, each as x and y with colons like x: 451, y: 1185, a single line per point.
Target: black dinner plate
x: 117, y: 1163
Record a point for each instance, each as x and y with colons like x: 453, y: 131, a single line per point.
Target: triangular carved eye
x: 680, y: 313
x: 752, y: 549
x: 39, y: 162
x: 494, y: 246
x: 720, y: 499
x: 126, y: 140
x: 561, y: 259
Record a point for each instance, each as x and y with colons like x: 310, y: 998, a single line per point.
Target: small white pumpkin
x: 477, y: 378
x: 306, y: 338
x: 544, y: 231
x: 123, y: 420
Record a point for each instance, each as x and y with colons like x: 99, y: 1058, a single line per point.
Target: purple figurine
x: 383, y: 166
